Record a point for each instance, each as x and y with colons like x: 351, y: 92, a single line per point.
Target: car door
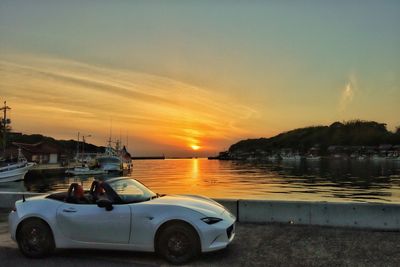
x: 90, y: 223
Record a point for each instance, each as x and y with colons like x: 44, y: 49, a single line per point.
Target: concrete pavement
x: 255, y: 245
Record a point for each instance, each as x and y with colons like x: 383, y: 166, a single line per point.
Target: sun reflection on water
x: 195, y: 169
x: 316, y: 181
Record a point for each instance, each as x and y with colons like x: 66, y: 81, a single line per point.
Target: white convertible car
x: 121, y: 214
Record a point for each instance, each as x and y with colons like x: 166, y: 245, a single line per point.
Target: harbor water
x: 324, y: 180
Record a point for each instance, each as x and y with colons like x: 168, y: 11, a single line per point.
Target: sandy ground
x: 255, y: 245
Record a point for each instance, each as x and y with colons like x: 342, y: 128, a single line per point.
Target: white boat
x: 273, y: 157
x: 362, y: 157
x: 376, y: 157
x: 290, y: 157
x: 126, y: 158
x: 110, y: 161
x: 313, y: 157
x: 15, y: 171
x: 84, y: 170
x: 394, y: 156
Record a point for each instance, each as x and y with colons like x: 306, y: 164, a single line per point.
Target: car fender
x: 147, y: 219
x: 44, y: 209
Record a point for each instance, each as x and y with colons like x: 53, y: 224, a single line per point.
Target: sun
x: 195, y: 147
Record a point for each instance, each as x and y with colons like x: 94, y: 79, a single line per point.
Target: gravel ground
x: 255, y: 245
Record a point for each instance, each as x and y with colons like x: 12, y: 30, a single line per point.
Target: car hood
x: 204, y: 205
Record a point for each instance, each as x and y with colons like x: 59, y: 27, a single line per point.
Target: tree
x: 351, y: 133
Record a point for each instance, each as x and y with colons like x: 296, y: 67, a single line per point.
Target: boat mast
x: 83, y: 145
x: 5, y: 122
x: 109, y: 139
x: 77, y: 149
x: 127, y: 141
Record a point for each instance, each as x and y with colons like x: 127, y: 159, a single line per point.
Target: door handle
x: 69, y: 210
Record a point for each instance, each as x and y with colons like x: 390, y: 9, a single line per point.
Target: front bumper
x: 219, y: 235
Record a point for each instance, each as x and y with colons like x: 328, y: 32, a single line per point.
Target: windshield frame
x: 147, y: 193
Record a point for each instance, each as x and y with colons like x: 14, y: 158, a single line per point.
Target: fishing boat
x: 83, y: 168
x: 126, y: 158
x: 12, y: 170
x: 110, y: 161
x: 377, y: 157
x: 273, y: 157
x: 15, y: 171
x: 313, y: 157
x: 291, y: 157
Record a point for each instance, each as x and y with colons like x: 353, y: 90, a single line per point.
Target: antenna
x: 120, y: 139
x: 127, y: 140
x: 5, y: 122
x: 109, y: 138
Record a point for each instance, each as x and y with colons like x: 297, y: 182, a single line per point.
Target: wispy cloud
x: 71, y: 95
x: 348, y: 92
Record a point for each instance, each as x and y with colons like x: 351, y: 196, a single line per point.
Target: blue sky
x: 267, y: 66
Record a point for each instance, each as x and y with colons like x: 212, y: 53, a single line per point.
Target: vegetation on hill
x: 69, y: 146
x: 351, y: 133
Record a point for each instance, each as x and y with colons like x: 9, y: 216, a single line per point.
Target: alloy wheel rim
x: 33, y: 240
x: 178, y: 244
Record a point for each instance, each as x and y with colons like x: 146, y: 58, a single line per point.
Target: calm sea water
x: 325, y: 180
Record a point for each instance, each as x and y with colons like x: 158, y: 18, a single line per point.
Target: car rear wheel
x: 178, y: 243
x: 35, y: 239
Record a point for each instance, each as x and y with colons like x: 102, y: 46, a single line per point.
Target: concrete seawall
x: 382, y: 216
x: 7, y: 199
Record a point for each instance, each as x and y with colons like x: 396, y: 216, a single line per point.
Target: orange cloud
x: 60, y: 97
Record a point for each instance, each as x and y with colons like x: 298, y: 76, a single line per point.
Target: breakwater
x: 381, y: 216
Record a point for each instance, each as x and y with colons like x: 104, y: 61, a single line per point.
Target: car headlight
x: 211, y: 220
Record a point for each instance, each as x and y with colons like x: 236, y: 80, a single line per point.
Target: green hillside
x: 351, y: 133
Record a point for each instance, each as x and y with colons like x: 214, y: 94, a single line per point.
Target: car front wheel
x: 178, y: 243
x: 35, y: 239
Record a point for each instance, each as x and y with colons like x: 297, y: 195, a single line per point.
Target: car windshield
x: 131, y: 191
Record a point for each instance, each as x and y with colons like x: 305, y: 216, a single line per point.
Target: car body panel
x: 89, y: 223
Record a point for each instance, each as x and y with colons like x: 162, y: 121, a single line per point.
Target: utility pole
x: 5, y: 122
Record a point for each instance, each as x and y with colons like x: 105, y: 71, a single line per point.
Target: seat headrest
x: 99, y: 189
x: 78, y: 191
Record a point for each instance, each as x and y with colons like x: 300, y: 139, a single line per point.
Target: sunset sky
x: 190, y: 78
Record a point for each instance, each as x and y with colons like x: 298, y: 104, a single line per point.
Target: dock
x: 41, y: 167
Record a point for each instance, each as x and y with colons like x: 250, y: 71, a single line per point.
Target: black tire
x: 35, y: 239
x: 178, y: 243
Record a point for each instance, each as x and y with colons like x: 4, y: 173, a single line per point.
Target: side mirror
x: 104, y: 203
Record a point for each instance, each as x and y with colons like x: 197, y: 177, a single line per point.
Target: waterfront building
x: 41, y: 153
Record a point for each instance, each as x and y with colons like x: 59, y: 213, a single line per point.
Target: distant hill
x: 69, y: 146
x: 351, y: 133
